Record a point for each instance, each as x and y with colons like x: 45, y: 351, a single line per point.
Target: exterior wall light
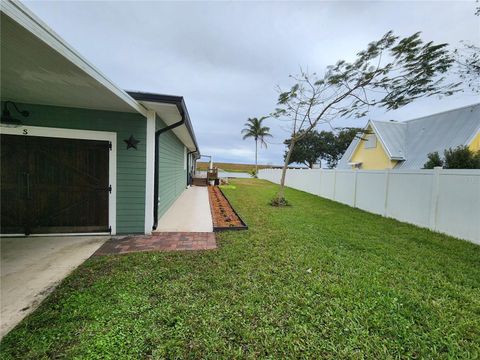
x: 7, y: 119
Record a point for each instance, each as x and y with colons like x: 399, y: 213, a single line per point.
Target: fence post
x: 334, y: 182
x: 387, y: 184
x: 355, y: 172
x: 434, y: 198
x: 320, y: 172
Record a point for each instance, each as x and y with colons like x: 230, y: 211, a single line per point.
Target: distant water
x: 227, y: 174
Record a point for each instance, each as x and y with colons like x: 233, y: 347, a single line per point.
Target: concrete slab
x: 189, y: 213
x: 31, y: 267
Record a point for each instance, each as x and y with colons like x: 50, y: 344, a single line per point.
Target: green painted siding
x: 130, y: 163
x: 172, y: 176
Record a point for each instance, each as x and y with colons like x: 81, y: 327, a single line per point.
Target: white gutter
x: 23, y: 16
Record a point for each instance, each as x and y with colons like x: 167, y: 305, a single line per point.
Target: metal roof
x: 411, y: 141
x: 393, y: 136
x: 343, y: 163
x: 438, y: 132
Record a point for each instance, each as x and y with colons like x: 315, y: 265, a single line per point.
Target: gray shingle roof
x: 411, y: 141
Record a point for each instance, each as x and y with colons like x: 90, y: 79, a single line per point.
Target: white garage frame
x: 83, y: 135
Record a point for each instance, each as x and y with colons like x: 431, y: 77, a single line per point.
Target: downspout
x: 155, y: 176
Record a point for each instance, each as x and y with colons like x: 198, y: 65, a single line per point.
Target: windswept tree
x: 254, y: 129
x: 467, y: 59
x: 342, y: 140
x: 309, y: 150
x: 325, y: 145
x: 389, y: 73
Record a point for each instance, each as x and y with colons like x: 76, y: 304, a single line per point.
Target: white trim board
x: 84, y: 135
x: 150, y: 171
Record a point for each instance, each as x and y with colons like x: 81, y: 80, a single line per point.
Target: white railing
x: 447, y: 201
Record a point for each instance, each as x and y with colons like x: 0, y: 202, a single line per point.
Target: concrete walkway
x: 31, y: 267
x: 189, y: 213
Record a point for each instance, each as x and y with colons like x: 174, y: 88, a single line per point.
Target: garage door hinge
x: 110, y: 145
x: 110, y: 189
x: 110, y: 229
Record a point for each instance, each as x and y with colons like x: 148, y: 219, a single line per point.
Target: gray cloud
x: 225, y: 58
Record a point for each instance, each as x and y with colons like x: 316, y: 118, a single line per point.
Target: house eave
x: 27, y: 20
x: 389, y: 153
x: 470, y: 139
x: 148, y: 98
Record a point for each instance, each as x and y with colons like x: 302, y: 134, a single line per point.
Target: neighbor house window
x: 370, y: 141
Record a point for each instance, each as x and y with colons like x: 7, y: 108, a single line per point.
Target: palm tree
x: 254, y: 129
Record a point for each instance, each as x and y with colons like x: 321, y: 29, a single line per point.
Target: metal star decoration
x: 131, y: 142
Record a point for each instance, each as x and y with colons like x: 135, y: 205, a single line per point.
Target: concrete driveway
x: 31, y: 267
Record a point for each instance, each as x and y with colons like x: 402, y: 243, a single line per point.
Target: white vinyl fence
x: 447, y: 201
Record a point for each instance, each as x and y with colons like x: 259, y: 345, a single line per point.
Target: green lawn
x: 314, y: 280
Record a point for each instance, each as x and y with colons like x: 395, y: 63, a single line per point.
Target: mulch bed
x: 223, y: 215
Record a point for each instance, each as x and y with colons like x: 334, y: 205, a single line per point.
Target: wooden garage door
x: 53, y: 185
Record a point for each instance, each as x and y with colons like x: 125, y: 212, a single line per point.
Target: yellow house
x: 406, y: 145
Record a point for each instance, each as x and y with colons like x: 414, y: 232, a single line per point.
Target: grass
x: 229, y: 186
x: 314, y: 280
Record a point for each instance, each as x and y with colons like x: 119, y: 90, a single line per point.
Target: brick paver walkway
x: 162, y: 241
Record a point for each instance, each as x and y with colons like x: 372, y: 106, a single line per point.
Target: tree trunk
x: 256, y: 156
x: 281, y: 190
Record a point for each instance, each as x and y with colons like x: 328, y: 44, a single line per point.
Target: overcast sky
x: 225, y: 58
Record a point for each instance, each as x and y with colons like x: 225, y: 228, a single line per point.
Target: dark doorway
x: 53, y: 185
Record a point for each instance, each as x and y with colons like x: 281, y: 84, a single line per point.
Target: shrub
x: 460, y: 157
x: 279, y: 202
x: 433, y: 160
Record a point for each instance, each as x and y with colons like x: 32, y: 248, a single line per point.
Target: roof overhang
x: 39, y: 67
x: 171, y: 109
x: 358, y: 141
x: 382, y: 141
x: 474, y: 135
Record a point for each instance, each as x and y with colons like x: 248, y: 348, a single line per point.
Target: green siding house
x: 79, y: 154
